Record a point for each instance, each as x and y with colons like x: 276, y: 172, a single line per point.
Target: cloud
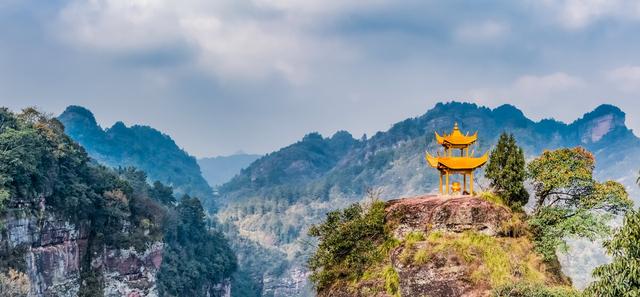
x: 487, y: 31
x: 577, y: 14
x: 234, y: 40
x: 626, y: 78
x: 550, y: 95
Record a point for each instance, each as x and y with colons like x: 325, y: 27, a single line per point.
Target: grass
x: 391, y: 281
x: 534, y: 290
x: 491, y: 197
x: 421, y: 257
x: 495, y: 261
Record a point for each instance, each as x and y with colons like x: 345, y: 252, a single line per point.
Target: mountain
x: 276, y: 198
x: 219, y: 170
x: 72, y: 227
x: 140, y: 146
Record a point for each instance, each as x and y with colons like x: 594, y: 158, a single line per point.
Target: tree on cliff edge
x: 569, y: 201
x: 506, y: 171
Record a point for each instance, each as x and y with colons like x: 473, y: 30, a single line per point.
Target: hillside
x: 219, y: 170
x: 277, y: 197
x: 140, y: 146
x: 71, y: 227
x: 429, y: 246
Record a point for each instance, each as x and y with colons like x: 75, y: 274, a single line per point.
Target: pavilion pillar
x: 440, y: 183
x: 447, y: 184
x: 464, y: 182
x: 471, y: 183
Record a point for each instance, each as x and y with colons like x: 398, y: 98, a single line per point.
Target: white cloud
x: 577, y: 14
x: 232, y: 39
x: 487, y: 31
x: 626, y: 78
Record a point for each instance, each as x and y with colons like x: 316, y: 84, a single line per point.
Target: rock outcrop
x: 455, y: 214
x: 449, y: 246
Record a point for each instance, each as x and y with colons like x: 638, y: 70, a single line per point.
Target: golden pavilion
x: 451, y: 163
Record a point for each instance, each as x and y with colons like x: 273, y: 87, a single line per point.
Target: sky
x: 229, y: 75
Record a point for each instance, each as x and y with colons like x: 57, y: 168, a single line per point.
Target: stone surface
x: 54, y: 248
x: 450, y: 213
x: 443, y: 276
x: 295, y: 283
x: 130, y: 273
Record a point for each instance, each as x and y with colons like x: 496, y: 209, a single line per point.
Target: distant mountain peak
x: 79, y: 113
x: 594, y: 125
x: 510, y: 110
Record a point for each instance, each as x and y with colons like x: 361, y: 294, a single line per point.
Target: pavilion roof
x: 457, y: 163
x: 456, y: 138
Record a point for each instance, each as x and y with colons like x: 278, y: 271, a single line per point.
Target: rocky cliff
x: 450, y: 246
x: 53, y: 249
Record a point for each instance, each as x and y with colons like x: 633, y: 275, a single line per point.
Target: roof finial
x: 455, y: 126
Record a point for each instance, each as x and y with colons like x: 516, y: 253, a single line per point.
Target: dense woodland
x: 139, y: 146
x: 43, y: 172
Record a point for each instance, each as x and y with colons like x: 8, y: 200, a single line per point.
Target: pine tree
x: 622, y: 276
x: 506, y: 171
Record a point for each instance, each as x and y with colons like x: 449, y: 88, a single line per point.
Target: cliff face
x: 450, y: 246
x: 53, y: 251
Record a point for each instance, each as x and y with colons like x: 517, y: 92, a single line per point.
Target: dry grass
x: 495, y: 261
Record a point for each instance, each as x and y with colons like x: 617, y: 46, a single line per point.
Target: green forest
x: 44, y: 173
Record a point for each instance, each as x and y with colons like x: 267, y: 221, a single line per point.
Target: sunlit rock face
x: 457, y: 214
x: 130, y: 273
x: 446, y: 274
x: 53, y: 250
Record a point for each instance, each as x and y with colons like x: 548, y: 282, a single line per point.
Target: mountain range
x: 139, y: 146
x: 269, y: 205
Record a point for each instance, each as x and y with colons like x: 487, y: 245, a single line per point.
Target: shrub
x: 351, y: 241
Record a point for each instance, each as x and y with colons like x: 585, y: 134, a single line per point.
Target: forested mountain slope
x: 275, y: 199
x: 140, y: 146
x: 72, y: 227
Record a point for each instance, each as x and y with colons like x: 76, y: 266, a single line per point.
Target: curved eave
x: 439, y: 138
x: 433, y: 161
x: 460, y: 163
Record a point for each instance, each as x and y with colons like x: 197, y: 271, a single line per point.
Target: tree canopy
x: 569, y: 201
x: 506, y: 171
x: 42, y: 171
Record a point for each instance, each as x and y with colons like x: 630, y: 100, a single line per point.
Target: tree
x: 348, y: 243
x: 622, y: 276
x: 569, y: 202
x: 506, y: 170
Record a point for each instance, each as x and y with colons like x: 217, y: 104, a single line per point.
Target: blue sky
x: 228, y: 75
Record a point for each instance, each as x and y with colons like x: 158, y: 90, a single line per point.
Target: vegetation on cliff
x: 42, y: 172
x: 362, y: 253
x: 351, y: 240
x: 139, y: 146
x: 569, y: 201
x: 506, y: 171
